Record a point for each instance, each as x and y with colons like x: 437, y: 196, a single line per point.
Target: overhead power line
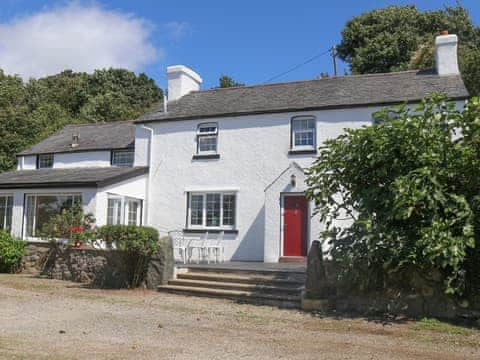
x: 298, y: 66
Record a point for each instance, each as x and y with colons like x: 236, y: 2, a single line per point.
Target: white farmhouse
x: 223, y: 160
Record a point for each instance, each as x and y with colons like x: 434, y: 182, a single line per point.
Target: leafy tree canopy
x: 402, y: 37
x: 226, y: 81
x: 33, y: 110
x: 408, y: 185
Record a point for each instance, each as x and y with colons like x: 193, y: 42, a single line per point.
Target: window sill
x: 205, y: 156
x: 302, y: 152
x: 211, y: 231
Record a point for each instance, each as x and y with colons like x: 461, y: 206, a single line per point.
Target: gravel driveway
x: 50, y: 319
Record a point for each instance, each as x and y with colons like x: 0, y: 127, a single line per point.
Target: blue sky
x: 249, y: 40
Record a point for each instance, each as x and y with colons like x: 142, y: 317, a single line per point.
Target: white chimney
x: 181, y: 81
x: 446, y: 54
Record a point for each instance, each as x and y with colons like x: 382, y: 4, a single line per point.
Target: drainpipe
x: 150, y: 170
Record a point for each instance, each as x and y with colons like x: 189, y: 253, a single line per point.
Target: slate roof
x: 81, y: 177
x: 329, y: 93
x: 99, y: 136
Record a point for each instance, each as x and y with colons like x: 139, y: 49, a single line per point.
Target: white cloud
x: 177, y: 29
x: 81, y: 38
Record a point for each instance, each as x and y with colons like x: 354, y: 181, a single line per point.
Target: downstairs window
x: 124, y: 211
x: 212, y: 210
x: 40, y: 209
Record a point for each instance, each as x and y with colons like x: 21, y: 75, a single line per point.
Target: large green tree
x: 409, y: 187
x: 401, y: 37
x: 33, y: 110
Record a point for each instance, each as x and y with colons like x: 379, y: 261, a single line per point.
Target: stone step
x: 242, y: 279
x: 299, y: 276
x: 289, y: 301
x: 271, y: 289
x: 293, y: 259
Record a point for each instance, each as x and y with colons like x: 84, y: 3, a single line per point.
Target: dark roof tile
x: 100, y: 136
x: 89, y: 177
x: 346, y: 91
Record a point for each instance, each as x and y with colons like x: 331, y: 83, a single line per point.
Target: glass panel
x: 9, y: 213
x: 133, y: 206
x: 30, y: 213
x: 213, y: 209
x: 123, y: 158
x: 114, y: 212
x: 207, y: 143
x: 208, y: 128
x: 229, y: 209
x: 45, y: 161
x: 304, y: 138
x: 196, y: 209
x: 3, y: 211
x: 40, y: 210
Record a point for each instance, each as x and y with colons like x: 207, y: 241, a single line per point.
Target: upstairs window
x: 212, y: 210
x: 207, y: 136
x: 303, y: 133
x: 45, y: 161
x: 123, y: 157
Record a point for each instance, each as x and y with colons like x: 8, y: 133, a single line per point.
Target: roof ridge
x: 334, y: 78
x: 100, y: 123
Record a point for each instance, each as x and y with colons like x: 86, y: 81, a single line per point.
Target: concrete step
x: 254, y: 288
x: 253, y: 279
x: 299, y: 276
x: 289, y: 301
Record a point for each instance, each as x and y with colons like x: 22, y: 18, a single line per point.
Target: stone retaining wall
x: 98, y: 268
x: 323, y: 292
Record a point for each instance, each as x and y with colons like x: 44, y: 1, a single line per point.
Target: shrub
x: 11, y: 252
x: 409, y: 185
x: 138, y: 243
x: 72, y: 226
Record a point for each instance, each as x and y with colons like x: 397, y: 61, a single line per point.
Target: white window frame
x: 35, y: 196
x: 313, y: 130
x: 5, y: 216
x: 206, y: 134
x: 124, y: 210
x: 114, y: 152
x: 39, y: 161
x: 204, y: 226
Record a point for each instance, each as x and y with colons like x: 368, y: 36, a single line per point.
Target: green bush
x: 138, y: 243
x: 409, y: 186
x: 11, y: 252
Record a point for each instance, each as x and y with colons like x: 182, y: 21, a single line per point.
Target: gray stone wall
x: 326, y: 293
x: 98, y: 268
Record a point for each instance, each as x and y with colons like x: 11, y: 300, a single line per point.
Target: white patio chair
x: 198, y: 244
x: 216, y: 248
x: 180, y: 244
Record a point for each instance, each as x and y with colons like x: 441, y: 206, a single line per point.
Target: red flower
x: 76, y: 229
x: 78, y: 244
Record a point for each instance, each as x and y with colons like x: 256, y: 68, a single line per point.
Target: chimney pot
x: 446, y: 54
x: 181, y: 81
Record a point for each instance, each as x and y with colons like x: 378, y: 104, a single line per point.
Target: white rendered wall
x: 253, y: 153
x: 68, y: 160
x: 134, y: 188
x: 82, y: 159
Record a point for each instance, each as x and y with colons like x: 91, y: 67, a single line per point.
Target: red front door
x: 295, y: 220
